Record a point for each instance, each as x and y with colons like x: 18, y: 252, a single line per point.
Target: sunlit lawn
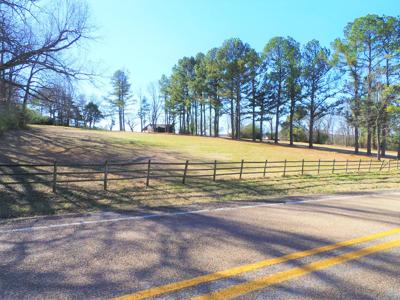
x: 209, y: 148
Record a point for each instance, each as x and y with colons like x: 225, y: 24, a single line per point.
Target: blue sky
x: 147, y: 37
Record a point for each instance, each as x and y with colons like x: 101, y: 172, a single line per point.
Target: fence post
x: 380, y: 169
x: 241, y: 169
x: 184, y: 172
x: 370, y: 165
x: 148, y: 173
x: 55, y: 177
x: 333, y: 166
x: 265, y: 167
x: 302, y: 167
x: 215, y: 170
x: 347, y: 166
x: 359, y: 166
x: 319, y: 165
x: 105, y: 174
x: 284, y: 168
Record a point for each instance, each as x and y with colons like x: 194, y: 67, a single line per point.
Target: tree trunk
x: 261, y: 120
x: 232, y: 120
x: 181, y: 122
x: 311, y: 125
x: 26, y: 97
x: 184, y: 120
x: 311, y: 133
x: 204, y: 120
x: 291, y: 117
x: 378, y: 141
x: 276, y: 138
x: 238, y: 100
x: 196, y: 118
x: 398, y: 150
x: 216, y: 121
x: 369, y: 139
x: 369, y: 112
x: 253, y: 129
x: 272, y: 129
x: 253, y: 95
x: 210, y: 116
x: 356, y: 116
x: 356, y: 139
x: 384, y: 139
x: 385, y: 117
x: 278, y: 105
x: 188, y: 120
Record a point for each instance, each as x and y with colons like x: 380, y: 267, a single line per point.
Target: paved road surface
x: 345, y: 246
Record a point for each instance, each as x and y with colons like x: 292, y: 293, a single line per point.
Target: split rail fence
x: 56, y: 174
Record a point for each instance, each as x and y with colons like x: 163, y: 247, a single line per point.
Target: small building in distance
x: 158, y: 128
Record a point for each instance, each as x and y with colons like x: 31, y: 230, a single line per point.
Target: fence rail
x: 59, y: 173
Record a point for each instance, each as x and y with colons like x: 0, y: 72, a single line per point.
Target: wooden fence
x: 60, y: 173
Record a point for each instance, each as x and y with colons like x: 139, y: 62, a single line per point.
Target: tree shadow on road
x: 105, y: 260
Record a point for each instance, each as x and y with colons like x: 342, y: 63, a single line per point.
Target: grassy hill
x: 47, y: 143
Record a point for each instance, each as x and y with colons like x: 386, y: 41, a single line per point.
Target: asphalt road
x: 336, y: 247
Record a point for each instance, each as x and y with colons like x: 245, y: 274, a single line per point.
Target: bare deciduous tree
x: 155, y: 103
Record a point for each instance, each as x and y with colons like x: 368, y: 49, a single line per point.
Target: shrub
x: 34, y: 117
x: 246, y: 132
x: 320, y: 137
x: 299, y: 134
x: 9, y: 117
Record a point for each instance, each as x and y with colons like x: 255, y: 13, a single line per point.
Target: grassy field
x: 47, y: 143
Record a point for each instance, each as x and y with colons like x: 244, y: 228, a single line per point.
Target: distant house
x: 158, y: 128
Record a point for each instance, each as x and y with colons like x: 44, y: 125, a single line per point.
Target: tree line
x: 293, y: 87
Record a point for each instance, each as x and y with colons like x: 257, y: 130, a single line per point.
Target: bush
x: 320, y: 137
x: 34, y: 117
x: 299, y: 134
x: 9, y: 117
x: 247, y: 132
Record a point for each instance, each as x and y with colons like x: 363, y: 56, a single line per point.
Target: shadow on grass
x: 132, y: 196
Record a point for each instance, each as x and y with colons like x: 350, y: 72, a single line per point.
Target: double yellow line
x: 253, y: 285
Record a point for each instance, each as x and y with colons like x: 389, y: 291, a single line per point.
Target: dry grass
x: 129, y: 196
x: 48, y: 143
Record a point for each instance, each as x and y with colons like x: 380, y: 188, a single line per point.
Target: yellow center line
x: 168, y: 288
x: 250, y: 286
